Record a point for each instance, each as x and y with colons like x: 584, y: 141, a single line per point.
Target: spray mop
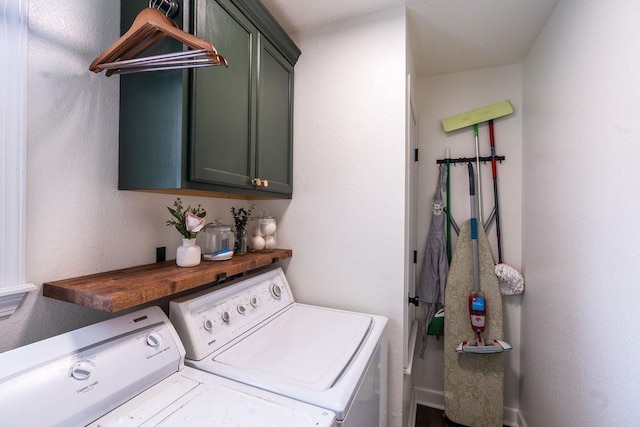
x: 477, y: 300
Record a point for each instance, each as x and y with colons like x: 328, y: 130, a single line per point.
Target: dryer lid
x: 305, y: 345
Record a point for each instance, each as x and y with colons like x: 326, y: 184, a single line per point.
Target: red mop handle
x: 494, y: 168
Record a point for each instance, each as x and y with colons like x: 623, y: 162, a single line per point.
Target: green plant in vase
x: 240, y: 218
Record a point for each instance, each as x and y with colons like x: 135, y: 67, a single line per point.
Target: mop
x: 434, y: 268
x: 477, y: 300
x: 511, y: 281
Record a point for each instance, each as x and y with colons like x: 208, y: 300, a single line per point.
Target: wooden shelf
x: 120, y: 289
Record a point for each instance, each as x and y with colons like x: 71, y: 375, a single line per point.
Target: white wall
x: 580, y: 228
x: 445, y: 96
x: 345, y: 222
x: 77, y: 221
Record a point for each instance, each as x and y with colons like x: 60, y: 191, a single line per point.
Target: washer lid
x: 305, y: 345
x: 180, y: 401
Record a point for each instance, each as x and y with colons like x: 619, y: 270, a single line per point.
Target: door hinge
x: 415, y: 154
x: 415, y: 257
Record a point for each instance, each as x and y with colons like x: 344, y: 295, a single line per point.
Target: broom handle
x: 475, y: 133
x: 474, y: 230
x: 449, y: 210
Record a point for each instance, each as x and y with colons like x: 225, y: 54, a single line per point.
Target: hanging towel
x: 435, y: 266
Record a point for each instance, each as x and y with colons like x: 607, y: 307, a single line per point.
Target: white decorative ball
x: 269, y: 242
x: 257, y: 243
x: 269, y: 228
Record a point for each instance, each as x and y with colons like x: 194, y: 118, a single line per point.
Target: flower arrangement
x: 189, y: 222
x: 240, y: 217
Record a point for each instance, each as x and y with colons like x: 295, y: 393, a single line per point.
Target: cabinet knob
x: 260, y: 182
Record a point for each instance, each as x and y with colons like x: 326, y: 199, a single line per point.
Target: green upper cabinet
x: 225, y: 131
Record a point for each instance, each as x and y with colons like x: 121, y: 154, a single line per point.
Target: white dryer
x: 251, y: 330
x: 129, y: 371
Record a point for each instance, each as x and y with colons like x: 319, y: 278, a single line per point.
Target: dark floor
x: 430, y: 417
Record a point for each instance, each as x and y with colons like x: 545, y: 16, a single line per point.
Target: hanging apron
x: 435, y: 266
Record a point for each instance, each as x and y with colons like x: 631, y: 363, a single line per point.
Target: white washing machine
x: 129, y: 371
x: 252, y: 331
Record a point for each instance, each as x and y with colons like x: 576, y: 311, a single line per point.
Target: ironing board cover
x: 473, y: 383
x: 435, y: 267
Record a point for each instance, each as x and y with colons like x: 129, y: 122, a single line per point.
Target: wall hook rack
x: 470, y: 159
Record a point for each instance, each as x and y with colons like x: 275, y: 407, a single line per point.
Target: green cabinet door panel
x: 275, y: 119
x: 223, y: 105
x: 152, y: 117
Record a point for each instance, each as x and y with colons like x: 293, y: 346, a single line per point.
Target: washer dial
x: 276, y: 290
x: 154, y: 339
x: 82, y: 370
x: 225, y: 316
x: 208, y: 324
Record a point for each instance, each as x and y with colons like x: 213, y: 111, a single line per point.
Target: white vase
x: 188, y: 255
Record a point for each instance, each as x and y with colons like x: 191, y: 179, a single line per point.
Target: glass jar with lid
x: 262, y: 233
x: 217, y: 242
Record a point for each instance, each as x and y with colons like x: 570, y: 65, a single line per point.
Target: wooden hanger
x: 149, y: 27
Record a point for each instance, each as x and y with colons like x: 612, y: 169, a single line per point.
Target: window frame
x: 13, y: 155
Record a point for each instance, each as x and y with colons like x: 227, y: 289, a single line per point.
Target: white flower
x: 193, y: 223
x: 437, y: 209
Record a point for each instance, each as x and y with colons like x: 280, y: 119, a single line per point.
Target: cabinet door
x: 152, y: 118
x: 274, y: 145
x: 222, y: 139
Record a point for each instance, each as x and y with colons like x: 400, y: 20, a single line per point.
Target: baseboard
x: 411, y: 419
x: 430, y: 398
x: 435, y: 399
x: 510, y: 417
x: 521, y: 421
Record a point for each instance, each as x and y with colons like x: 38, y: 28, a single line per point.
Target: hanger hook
x: 169, y: 7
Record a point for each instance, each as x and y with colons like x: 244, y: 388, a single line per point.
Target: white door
x: 411, y: 216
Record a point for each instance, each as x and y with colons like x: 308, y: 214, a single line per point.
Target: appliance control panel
x: 209, y: 320
x: 69, y: 377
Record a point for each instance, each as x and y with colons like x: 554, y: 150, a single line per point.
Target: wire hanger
x: 149, y: 27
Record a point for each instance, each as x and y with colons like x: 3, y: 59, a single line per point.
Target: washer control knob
x: 154, y: 339
x: 82, y: 370
x: 254, y: 301
x: 225, y: 316
x: 276, y: 290
x: 208, y: 324
x: 242, y: 309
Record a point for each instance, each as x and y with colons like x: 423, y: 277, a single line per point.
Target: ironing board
x: 473, y: 383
